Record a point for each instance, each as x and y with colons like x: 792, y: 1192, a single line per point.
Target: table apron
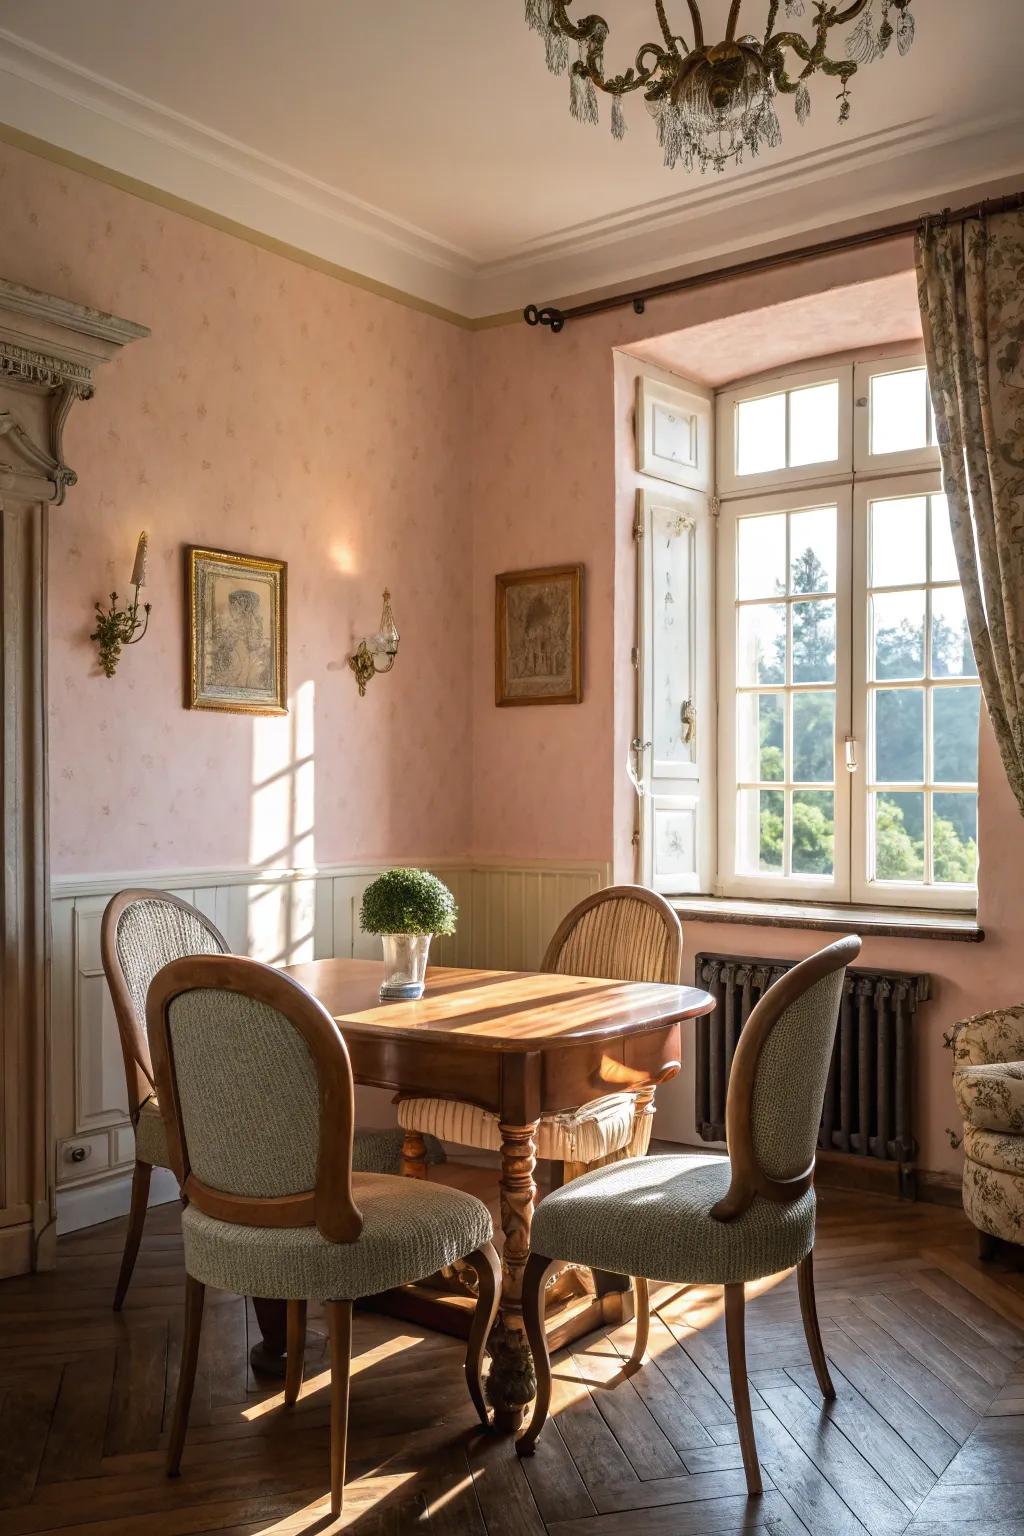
x: 565, y: 1076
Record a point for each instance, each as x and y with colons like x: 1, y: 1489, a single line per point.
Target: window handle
x: 635, y: 769
x: 850, y: 748
x: 688, y: 717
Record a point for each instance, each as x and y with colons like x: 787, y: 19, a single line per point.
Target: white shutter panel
x: 675, y: 749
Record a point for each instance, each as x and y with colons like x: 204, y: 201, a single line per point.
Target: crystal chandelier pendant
x: 713, y: 104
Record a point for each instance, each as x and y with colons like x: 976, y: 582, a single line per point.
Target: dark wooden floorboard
x: 925, y: 1438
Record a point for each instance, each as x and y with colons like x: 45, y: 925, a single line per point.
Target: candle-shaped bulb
x: 141, y: 555
x: 388, y: 634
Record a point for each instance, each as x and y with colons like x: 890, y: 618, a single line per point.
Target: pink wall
x: 278, y: 412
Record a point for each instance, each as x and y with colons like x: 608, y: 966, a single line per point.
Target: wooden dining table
x: 521, y: 1045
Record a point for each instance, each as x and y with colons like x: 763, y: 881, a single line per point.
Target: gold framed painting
x: 236, y: 617
x: 538, y: 631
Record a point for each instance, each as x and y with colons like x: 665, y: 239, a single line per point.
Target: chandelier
x: 711, y: 103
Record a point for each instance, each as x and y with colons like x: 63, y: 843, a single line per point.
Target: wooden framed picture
x: 537, y: 647
x: 237, y: 640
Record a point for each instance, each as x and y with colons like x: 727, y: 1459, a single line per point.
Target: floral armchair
x: 988, y: 1078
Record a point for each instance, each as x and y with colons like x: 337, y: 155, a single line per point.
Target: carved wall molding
x: 49, y: 351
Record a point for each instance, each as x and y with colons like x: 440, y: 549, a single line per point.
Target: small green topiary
x: 408, y: 901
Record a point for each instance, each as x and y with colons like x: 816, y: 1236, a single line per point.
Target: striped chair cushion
x: 571, y: 1136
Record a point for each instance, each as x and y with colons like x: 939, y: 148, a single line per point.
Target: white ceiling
x: 426, y: 146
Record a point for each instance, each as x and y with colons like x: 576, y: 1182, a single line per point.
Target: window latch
x: 850, y: 749
x: 635, y: 769
x: 688, y: 719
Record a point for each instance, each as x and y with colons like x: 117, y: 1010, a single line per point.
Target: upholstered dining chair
x: 256, y: 1093
x: 621, y: 933
x: 142, y: 931
x: 704, y: 1220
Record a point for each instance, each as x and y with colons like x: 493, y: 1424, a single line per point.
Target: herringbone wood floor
x: 926, y: 1437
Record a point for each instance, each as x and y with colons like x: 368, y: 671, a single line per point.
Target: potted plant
x: 406, y: 907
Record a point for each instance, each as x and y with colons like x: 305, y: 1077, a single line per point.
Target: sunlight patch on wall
x: 281, y: 834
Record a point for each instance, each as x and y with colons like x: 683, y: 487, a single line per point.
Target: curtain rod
x: 554, y: 318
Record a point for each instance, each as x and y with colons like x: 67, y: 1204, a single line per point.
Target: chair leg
x: 735, y: 1334
x: 534, y: 1281
x: 136, y: 1222
x: 339, y: 1322
x: 195, y: 1292
x: 487, y: 1265
x: 294, y: 1359
x: 812, y: 1332
x: 414, y: 1155
x: 642, y: 1295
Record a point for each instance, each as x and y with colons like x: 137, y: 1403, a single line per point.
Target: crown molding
x: 53, y: 107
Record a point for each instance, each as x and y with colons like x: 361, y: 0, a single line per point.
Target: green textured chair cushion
x: 372, y: 1151
x: 651, y: 1216
x: 410, y: 1229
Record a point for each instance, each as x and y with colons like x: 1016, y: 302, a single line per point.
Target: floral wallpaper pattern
x: 273, y: 411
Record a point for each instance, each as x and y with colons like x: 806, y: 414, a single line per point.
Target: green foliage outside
x: 408, y: 901
x: 899, y: 818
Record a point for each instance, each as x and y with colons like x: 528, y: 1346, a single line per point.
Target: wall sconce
x: 116, y: 628
x: 376, y: 653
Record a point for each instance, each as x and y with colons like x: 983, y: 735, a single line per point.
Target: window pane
x: 812, y: 550
x: 814, y: 641
x: 761, y: 556
x: 814, y: 424
x: 761, y: 644
x: 899, y: 736
x: 898, y: 626
x: 952, y: 652
x: 955, y: 838
x: 761, y: 434
x: 814, y: 825
x: 898, y: 541
x: 814, y: 737
x: 899, y: 411
x: 955, y: 735
x: 760, y: 828
x: 899, y: 837
x: 761, y: 754
x: 944, y: 567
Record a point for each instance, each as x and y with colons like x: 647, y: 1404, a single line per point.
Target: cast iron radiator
x: 868, y: 1108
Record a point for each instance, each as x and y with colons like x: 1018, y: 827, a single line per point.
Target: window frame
x: 731, y: 483
x: 887, y: 893
x: 906, y: 460
x: 771, y: 886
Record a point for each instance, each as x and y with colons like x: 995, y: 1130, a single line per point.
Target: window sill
x: 899, y: 923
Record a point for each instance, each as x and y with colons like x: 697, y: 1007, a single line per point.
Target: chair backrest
x: 624, y: 933
x: 778, y: 1078
x: 141, y: 932
x: 255, y: 1088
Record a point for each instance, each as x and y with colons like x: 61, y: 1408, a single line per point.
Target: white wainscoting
x: 507, y: 913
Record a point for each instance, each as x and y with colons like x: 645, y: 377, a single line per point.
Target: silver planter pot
x: 405, y: 964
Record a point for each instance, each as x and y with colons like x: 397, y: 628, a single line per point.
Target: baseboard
x: 86, y: 1205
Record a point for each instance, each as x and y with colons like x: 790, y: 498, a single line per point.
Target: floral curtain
x: 971, y: 290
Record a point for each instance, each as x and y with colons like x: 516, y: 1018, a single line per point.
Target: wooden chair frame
x: 330, y: 1205
x: 138, y: 1065
x: 747, y: 1182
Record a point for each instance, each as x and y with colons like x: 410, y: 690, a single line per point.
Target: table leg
x: 511, y: 1383
x: 267, y: 1357
x: 414, y: 1155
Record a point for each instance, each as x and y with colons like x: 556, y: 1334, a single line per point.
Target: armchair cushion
x: 651, y: 1216
x: 994, y: 1200
x: 573, y: 1136
x: 991, y: 1097
x: 990, y: 1150
x: 410, y: 1229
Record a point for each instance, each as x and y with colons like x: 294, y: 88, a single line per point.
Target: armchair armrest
x: 988, y: 1038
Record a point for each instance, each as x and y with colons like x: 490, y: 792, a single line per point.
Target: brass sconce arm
x: 376, y: 653
x: 118, y: 627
